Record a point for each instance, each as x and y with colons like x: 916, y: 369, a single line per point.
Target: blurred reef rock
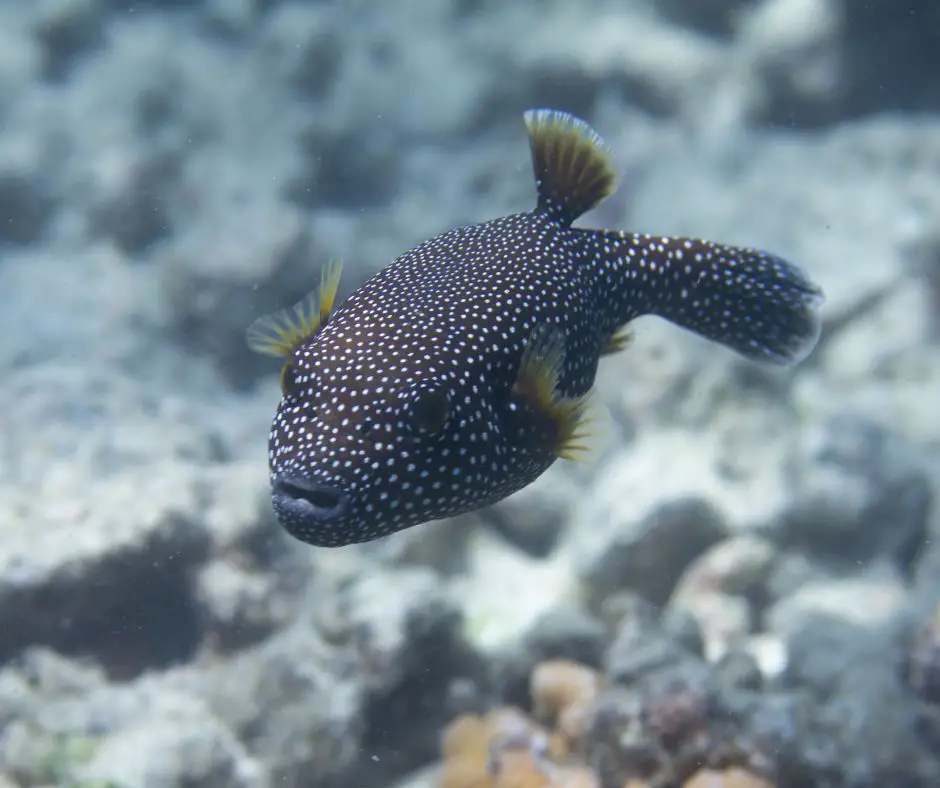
x: 741, y: 589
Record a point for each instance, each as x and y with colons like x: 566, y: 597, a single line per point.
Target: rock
x: 27, y: 687
x: 724, y: 620
x: 257, y: 258
x: 306, y: 43
x: 535, y: 518
x: 20, y: 58
x: 52, y: 675
x: 640, y: 644
x: 129, y: 190
x: 661, y: 68
x: 711, y: 16
x: 408, y: 643
x: 91, y: 553
x: 355, y: 169
x: 721, y: 587
x: 927, y: 566
x: 817, y: 651
x: 627, y: 606
x: 67, y: 29
x: 294, y: 709
x: 864, y: 713
x: 177, y: 741
x: 255, y: 582
x: 74, y: 728
x: 792, y: 570
x: 660, y: 727
x: 34, y: 757
x: 738, y: 565
x: 170, y: 172
x: 859, y: 493
x: 923, y: 252
x: 505, y: 592
x: 826, y: 648
x: 922, y: 664
x: 241, y: 607
x: 132, y: 196
x: 769, y: 651
x: 106, y: 485
x: 566, y: 632
x: 639, y: 532
x: 444, y: 546
x: 393, y: 610
x: 233, y: 17
x: 27, y: 197
x: 796, y: 55
x: 683, y: 628
x: 775, y: 731
x: 426, y: 778
x: 867, y: 600
x: 897, y: 58
x: 629, y: 657
x: 739, y: 669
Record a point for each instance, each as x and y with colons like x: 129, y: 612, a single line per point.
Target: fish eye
x: 430, y: 408
x: 288, y: 380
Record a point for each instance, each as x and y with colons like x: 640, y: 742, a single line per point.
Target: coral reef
x: 739, y: 589
x: 662, y: 745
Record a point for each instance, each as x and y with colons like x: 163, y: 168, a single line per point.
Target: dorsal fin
x: 573, y: 169
x: 281, y: 333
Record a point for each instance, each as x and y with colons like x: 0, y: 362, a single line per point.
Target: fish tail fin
x: 573, y: 169
x: 757, y: 304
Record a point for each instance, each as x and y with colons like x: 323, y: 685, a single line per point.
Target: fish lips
x: 308, y: 501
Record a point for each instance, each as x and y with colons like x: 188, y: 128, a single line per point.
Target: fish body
x: 459, y: 373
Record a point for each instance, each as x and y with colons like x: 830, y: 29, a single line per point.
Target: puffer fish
x: 460, y: 372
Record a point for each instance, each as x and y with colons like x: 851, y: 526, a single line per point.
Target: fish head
x: 368, y: 440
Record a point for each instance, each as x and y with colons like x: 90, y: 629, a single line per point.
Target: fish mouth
x: 303, y: 498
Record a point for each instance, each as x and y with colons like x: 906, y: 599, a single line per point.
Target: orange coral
x: 573, y: 724
x: 466, y: 737
x: 557, y: 684
x: 564, y: 693
x: 506, y: 749
x: 465, y: 746
x: 499, y: 750
x: 463, y: 773
x: 726, y: 778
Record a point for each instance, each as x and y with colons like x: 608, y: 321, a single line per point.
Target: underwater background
x: 740, y: 588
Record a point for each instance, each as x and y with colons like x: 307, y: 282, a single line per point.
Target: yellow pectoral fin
x: 329, y: 286
x: 537, y: 385
x: 281, y: 333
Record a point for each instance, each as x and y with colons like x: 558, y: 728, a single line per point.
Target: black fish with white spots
x: 459, y: 373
